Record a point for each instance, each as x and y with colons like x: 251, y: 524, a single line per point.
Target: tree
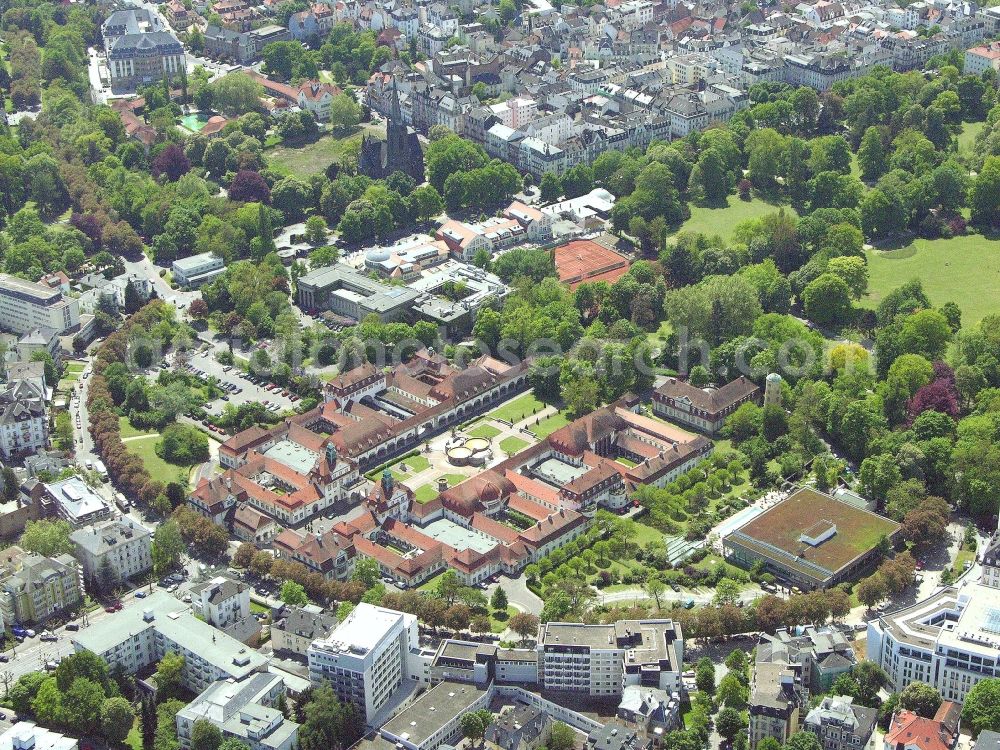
x: 47, y: 538
x: 345, y: 113
x: 294, y: 594
x: 732, y: 691
x: 803, y: 741
x: 316, y: 230
x: 550, y: 188
x: 705, y: 675
x: 920, y: 698
x: 205, y: 735
x: 982, y: 706
x: 117, y: 718
x: 168, y: 675
x: 171, y: 162
x: 167, y: 546
x: 499, y: 600
x: 248, y: 186
x: 236, y: 94
x: 984, y: 196
x: 329, y: 724
x: 472, y: 726
x: 367, y: 571
x: 827, y: 300
x: 871, y: 590
x: 561, y: 737
x: 729, y: 723
x: 524, y: 624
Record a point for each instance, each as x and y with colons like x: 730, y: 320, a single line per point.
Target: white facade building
x: 367, y: 657
x: 25, y: 306
x: 24, y: 423
x: 951, y: 640
x: 222, y: 601
x: 196, y: 270
x: 121, y: 548
x: 141, y: 634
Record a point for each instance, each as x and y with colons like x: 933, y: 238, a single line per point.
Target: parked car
x: 72, y: 626
x: 140, y: 594
x: 49, y: 637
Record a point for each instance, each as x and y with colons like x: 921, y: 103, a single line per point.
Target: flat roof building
x: 27, y: 735
x: 139, y: 636
x: 197, y: 270
x: 811, y: 540
x: 366, y: 658
x: 25, y: 306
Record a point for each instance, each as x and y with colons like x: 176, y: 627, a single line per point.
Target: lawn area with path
x: 499, y: 620
x: 482, y: 430
x: 549, y: 424
x: 967, y: 138
x: 512, y: 445
x: 965, y: 270
x: 427, y: 492
x: 520, y: 408
x: 315, y: 157
x: 723, y: 220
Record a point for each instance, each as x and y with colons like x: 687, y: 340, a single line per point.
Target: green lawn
x: 134, y: 739
x: 315, y: 157
x: 626, y: 462
x: 259, y: 608
x: 126, y: 430
x: 645, y: 534
x: 518, y: 409
x: 499, y: 620
x: 425, y: 493
x: 967, y: 138
x: 414, y: 465
x: 483, y: 430
x: 145, y: 448
x: 965, y: 270
x: 513, y: 445
x: 722, y: 221
x: 549, y: 425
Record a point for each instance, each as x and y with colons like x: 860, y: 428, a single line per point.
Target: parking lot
x: 239, y: 387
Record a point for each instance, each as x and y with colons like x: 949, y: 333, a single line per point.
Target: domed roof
x: 378, y: 255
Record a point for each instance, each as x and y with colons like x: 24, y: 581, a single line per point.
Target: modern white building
x: 26, y: 735
x: 76, y: 502
x: 197, y: 270
x: 367, y: 658
x: 603, y: 659
x: 244, y: 710
x: 222, y: 601
x: 141, y: 634
x: 25, y: 306
x: 119, y: 549
x: 950, y: 640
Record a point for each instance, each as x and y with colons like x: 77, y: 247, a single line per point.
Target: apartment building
x: 222, y: 601
x: 776, y: 701
x: 603, y: 659
x: 40, y: 587
x: 951, y: 640
x: 295, y: 628
x: 367, y: 657
x: 840, y: 725
x: 25, y: 306
x: 244, y: 710
x: 24, y: 423
x: 141, y: 634
x: 113, y: 551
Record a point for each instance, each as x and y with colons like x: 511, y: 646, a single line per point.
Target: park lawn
x: 126, y: 430
x: 722, y: 221
x: 965, y: 270
x: 414, y: 465
x: 645, y: 534
x: 550, y: 424
x: 483, y: 430
x: 967, y: 138
x: 75, y: 367
x: 315, y: 157
x: 518, y: 409
x: 512, y: 445
x: 964, y: 555
x: 499, y: 620
x: 145, y: 448
x: 134, y: 739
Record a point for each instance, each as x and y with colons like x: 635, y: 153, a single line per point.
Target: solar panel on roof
x: 992, y: 623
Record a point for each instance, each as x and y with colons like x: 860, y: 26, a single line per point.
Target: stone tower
x: 772, y: 389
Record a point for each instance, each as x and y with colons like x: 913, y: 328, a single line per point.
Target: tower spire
x: 394, y: 110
